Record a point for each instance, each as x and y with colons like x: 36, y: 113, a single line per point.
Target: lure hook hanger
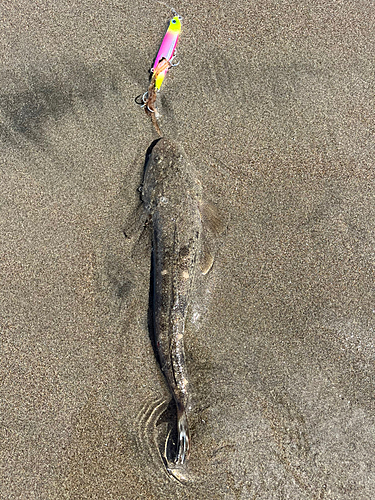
x: 174, y: 12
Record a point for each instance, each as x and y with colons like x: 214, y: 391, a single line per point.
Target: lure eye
x: 173, y: 21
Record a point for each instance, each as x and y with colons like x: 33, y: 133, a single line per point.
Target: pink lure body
x: 167, y: 48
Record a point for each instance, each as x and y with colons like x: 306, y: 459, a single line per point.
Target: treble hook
x: 143, y: 99
x: 136, y: 100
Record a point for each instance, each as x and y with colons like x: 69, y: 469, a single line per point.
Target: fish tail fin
x: 183, y: 437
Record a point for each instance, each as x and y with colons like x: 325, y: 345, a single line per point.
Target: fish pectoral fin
x: 136, y: 222
x: 206, y: 258
x: 210, y: 218
x: 141, y: 248
x: 137, y: 229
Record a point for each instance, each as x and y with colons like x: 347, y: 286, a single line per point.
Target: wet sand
x: 274, y: 102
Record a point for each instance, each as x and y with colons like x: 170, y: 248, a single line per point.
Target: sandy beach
x: 274, y: 104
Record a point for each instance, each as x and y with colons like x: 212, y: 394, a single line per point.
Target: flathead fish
x: 172, y: 197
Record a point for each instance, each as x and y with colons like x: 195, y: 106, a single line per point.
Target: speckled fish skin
x: 171, y: 195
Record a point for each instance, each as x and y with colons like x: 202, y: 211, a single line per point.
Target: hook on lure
x: 162, y: 63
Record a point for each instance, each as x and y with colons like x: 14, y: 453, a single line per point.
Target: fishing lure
x: 162, y: 63
x: 167, y: 48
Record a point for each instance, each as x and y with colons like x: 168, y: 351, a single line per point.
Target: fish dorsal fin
x: 210, y: 218
x: 206, y: 258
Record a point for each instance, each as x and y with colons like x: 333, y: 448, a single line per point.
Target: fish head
x: 162, y: 165
x: 165, y: 149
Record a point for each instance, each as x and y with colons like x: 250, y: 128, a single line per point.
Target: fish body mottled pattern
x: 171, y: 195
